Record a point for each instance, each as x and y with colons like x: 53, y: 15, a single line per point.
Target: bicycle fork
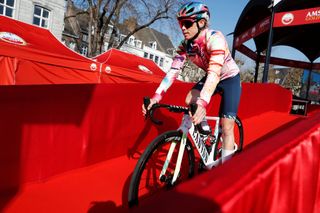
x: 185, y: 126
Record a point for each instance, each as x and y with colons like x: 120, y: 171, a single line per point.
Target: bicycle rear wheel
x: 145, y: 180
x: 238, y: 139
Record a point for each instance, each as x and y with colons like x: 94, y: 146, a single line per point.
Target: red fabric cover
x: 49, y: 129
x: 7, y: 70
x: 279, y: 174
x: 121, y: 65
x: 259, y: 98
x: 45, y: 60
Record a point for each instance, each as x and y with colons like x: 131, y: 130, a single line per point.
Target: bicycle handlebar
x: 171, y: 108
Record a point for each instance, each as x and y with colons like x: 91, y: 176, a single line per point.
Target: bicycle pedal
x: 201, y: 167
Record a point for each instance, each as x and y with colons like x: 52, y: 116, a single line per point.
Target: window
x: 138, y: 43
x: 131, y: 40
x: 84, y: 50
x: 156, y: 59
x: 85, y: 38
x: 122, y: 37
x: 7, y: 7
x: 72, y: 45
x: 41, y: 16
x: 145, y: 55
x: 161, y: 62
x: 153, y: 44
x: 151, y: 56
x: 110, y: 29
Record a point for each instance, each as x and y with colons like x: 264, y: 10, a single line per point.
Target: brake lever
x: 149, y: 113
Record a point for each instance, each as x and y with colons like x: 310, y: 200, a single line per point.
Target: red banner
x: 297, y: 17
x: 256, y: 30
x: 278, y: 61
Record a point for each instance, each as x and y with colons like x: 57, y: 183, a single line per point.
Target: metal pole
x: 257, y: 67
x: 233, y: 53
x: 270, y: 38
x: 309, y: 81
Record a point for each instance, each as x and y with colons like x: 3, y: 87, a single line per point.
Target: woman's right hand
x: 152, y: 102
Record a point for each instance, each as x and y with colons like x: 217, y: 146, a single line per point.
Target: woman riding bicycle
x: 208, y: 49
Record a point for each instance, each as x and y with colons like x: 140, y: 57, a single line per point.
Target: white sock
x: 226, y: 154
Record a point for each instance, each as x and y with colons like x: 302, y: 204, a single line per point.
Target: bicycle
x: 163, y: 164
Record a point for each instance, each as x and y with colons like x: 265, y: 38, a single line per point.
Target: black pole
x: 270, y: 38
x: 309, y: 81
x: 233, y: 53
x: 257, y: 67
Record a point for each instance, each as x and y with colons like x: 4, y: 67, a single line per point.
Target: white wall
x: 167, y: 59
x: 24, y: 10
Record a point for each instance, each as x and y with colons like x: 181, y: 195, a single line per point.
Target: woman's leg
x: 227, y: 133
x: 228, y: 145
x: 230, y: 101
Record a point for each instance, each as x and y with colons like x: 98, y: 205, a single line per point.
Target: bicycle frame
x: 187, y: 127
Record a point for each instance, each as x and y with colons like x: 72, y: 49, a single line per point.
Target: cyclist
x: 209, y: 50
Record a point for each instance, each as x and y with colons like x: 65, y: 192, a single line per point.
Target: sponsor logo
x: 93, y: 67
x: 12, y: 38
x: 287, y: 18
x: 313, y: 15
x: 145, y: 69
x: 107, y: 69
x: 199, y: 142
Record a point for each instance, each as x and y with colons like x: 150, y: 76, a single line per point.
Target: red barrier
x: 49, y: 129
x: 279, y: 174
x: 46, y: 130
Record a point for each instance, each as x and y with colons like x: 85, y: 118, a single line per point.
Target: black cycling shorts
x: 230, y: 90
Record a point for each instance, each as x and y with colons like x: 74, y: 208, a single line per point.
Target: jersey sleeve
x: 216, y: 47
x: 172, y: 74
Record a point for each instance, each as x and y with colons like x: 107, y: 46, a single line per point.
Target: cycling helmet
x: 194, y: 10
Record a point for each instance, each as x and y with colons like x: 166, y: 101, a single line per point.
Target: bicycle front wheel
x: 146, y: 180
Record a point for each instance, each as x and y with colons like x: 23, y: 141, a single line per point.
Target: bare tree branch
x: 102, y: 12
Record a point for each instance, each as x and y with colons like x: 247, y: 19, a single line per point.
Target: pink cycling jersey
x: 211, y: 53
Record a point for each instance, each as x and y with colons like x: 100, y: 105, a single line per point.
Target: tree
x: 190, y: 72
x: 102, y: 13
x: 246, y: 73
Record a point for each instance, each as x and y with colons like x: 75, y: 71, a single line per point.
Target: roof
x: 134, y: 63
x: 147, y: 35
x: 32, y: 55
x: 303, y: 38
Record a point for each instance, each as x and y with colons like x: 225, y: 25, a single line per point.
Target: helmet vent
x: 190, y: 11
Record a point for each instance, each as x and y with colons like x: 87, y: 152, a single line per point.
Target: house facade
x: 48, y: 14
x: 147, y: 42
x: 151, y: 44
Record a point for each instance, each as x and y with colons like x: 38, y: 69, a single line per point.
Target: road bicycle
x: 170, y: 157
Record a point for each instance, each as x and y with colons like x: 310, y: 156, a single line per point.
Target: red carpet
x: 103, y: 185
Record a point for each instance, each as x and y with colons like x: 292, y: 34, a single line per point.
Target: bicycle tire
x: 146, y: 162
x: 238, y: 134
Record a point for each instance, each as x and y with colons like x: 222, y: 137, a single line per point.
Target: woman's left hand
x: 199, y: 115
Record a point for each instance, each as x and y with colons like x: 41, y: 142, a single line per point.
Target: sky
x: 224, y: 17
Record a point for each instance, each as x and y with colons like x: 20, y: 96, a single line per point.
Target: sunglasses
x: 187, y: 23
